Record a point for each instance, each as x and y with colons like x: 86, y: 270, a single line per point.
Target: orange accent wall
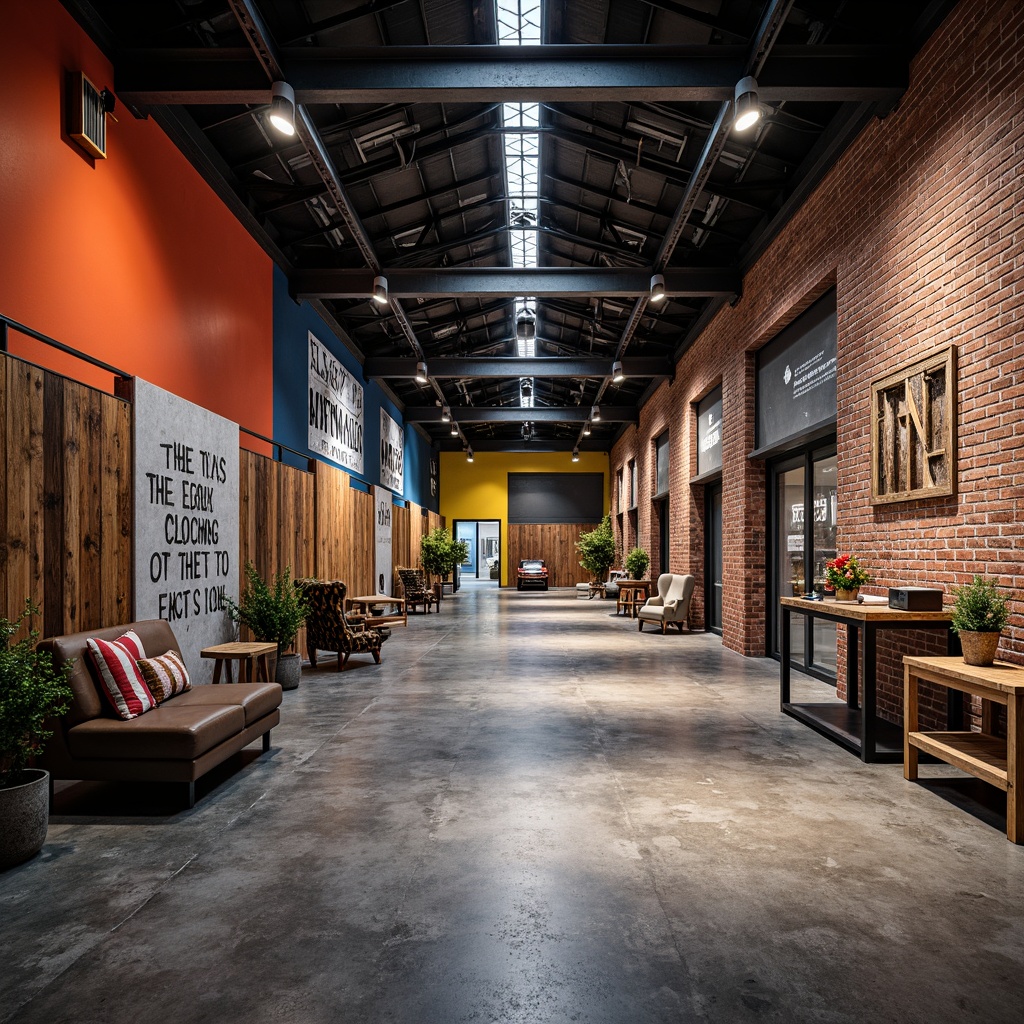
x: 132, y: 259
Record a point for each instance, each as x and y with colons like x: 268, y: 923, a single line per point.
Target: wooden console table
x: 854, y: 725
x: 984, y: 755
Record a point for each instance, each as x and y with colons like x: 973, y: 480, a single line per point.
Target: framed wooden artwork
x: 913, y: 430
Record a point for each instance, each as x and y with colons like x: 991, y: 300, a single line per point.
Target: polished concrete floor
x: 528, y: 813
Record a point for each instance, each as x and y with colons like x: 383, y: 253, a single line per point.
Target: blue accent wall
x: 292, y: 323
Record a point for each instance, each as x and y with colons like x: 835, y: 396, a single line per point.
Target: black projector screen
x: 555, y: 497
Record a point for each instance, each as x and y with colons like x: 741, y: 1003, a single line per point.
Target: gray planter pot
x: 288, y: 671
x: 24, y: 816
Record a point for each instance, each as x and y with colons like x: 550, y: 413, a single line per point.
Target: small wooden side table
x: 995, y: 760
x: 247, y: 655
x: 632, y: 594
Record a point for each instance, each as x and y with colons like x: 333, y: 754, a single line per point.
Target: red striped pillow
x: 165, y: 676
x: 116, y: 663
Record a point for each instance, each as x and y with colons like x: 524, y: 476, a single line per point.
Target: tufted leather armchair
x: 671, y: 605
x: 328, y: 629
x: 414, y: 585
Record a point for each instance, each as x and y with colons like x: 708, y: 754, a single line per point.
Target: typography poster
x: 335, y: 409
x: 186, y: 520
x: 392, y: 453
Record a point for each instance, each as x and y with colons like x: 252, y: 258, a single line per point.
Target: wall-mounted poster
x: 335, y: 409
x: 382, y: 506
x: 186, y: 521
x: 392, y: 453
x: 709, y: 433
x: 434, y: 474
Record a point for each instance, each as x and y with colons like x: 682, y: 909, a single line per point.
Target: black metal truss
x: 461, y: 74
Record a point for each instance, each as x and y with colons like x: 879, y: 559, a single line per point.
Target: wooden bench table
x: 365, y: 602
x: 247, y: 655
x: 982, y: 754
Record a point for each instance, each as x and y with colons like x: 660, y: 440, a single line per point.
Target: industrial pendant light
x: 282, y: 108
x: 747, y: 109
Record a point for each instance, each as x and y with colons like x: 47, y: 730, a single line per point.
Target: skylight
x: 519, y: 25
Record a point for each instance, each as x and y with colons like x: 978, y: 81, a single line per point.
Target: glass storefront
x: 804, y: 516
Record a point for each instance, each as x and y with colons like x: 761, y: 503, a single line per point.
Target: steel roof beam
x: 515, y: 414
x: 378, y: 367
x: 540, y: 282
x: 464, y: 74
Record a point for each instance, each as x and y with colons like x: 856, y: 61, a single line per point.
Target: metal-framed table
x: 854, y: 724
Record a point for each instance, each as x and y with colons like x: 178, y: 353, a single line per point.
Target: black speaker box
x: 916, y: 599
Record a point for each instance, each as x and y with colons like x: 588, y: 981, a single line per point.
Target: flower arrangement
x: 845, y: 573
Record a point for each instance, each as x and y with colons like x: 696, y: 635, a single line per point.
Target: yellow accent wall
x: 479, y: 489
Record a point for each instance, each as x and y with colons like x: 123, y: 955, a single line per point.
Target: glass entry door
x: 804, y: 539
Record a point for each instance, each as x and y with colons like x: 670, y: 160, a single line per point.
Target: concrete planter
x: 24, y: 817
x: 288, y: 671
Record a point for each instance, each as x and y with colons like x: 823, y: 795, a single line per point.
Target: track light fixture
x: 595, y: 413
x: 469, y: 454
x: 380, y: 290
x: 282, y: 108
x: 617, y: 375
x: 657, y: 287
x: 586, y: 429
x: 455, y: 429
x: 446, y: 414
x: 421, y: 372
x: 575, y: 455
x: 747, y: 109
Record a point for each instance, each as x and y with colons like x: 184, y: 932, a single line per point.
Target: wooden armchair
x: 328, y: 629
x: 416, y: 591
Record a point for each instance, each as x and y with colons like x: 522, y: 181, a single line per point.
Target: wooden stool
x: 246, y: 655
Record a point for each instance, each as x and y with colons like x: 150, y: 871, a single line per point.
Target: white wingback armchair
x: 671, y: 605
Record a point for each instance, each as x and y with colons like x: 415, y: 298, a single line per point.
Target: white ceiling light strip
x: 519, y: 25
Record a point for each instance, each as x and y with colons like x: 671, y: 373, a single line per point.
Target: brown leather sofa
x: 177, y: 741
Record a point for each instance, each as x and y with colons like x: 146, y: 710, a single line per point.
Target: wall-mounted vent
x: 88, y: 118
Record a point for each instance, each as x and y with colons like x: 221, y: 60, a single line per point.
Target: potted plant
x: 32, y: 693
x: 597, y: 550
x: 458, y: 552
x: 441, y: 555
x: 845, y: 576
x: 274, y: 614
x: 637, y: 562
x: 979, y: 615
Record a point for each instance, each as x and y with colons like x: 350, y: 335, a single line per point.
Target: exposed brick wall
x: 920, y: 227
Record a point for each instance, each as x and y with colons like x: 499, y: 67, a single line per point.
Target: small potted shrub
x: 274, y: 613
x: 979, y: 615
x: 32, y: 693
x: 637, y: 562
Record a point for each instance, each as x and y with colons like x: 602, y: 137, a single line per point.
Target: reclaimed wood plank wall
x: 66, y: 508
x: 555, y: 543
x: 345, y: 544
x: 276, y: 510
x: 66, y: 523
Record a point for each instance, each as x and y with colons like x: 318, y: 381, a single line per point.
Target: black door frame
x: 710, y: 490
x: 801, y: 458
